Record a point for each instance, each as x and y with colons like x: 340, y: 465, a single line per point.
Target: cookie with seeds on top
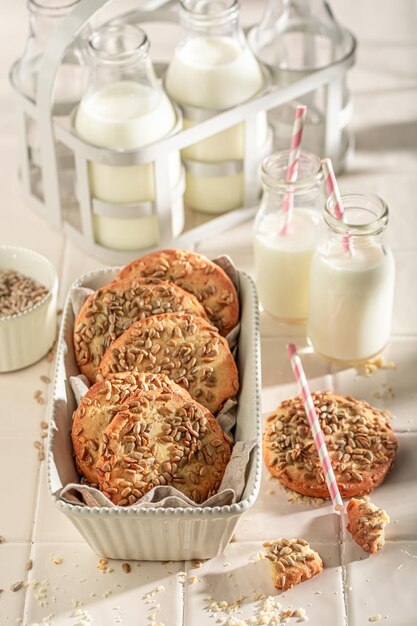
x: 359, y: 439
x: 366, y: 524
x: 186, y: 348
x: 99, y: 406
x: 196, y: 274
x: 292, y: 561
x: 161, y: 438
x: 110, y: 311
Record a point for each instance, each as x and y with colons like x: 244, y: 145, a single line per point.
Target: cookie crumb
x: 373, y: 365
x: 126, y: 568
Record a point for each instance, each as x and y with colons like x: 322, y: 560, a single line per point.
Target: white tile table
x: 64, y: 586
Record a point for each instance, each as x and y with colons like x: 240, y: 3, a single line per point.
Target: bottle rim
x: 364, y: 215
x: 52, y: 7
x: 209, y: 12
x: 275, y: 166
x: 118, y: 43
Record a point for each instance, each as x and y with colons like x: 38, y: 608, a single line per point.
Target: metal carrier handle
x: 158, y: 152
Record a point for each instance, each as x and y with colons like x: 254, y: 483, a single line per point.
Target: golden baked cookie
x: 359, y: 439
x: 186, y: 348
x: 366, y: 524
x: 110, y: 311
x: 161, y: 438
x: 292, y: 561
x: 196, y: 274
x: 99, y: 406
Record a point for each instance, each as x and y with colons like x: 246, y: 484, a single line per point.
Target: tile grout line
x: 342, y: 553
x: 183, y: 583
x: 31, y: 542
x: 36, y: 500
x: 35, y: 508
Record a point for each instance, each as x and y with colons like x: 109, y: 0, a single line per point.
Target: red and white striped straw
x: 293, y: 162
x: 333, y: 188
x: 313, y: 420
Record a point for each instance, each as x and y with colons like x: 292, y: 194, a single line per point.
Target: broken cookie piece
x: 366, y: 524
x: 292, y: 561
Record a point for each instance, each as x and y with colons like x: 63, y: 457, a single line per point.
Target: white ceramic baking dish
x: 156, y: 534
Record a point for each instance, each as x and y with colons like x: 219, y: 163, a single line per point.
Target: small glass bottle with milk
x: 213, y: 69
x: 125, y: 108
x: 352, y: 286
x: 283, y: 252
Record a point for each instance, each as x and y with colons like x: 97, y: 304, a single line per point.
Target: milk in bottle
x: 351, y: 291
x: 125, y: 108
x: 282, y: 261
x: 213, y: 69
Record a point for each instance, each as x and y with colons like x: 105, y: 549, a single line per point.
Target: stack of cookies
x: 152, y: 343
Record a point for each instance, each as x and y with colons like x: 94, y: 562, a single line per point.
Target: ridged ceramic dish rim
x: 173, y: 513
x: 16, y: 326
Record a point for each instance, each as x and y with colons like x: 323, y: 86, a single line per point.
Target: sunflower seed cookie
x: 186, y: 348
x: 359, y: 439
x: 99, y: 406
x: 196, y: 274
x: 292, y: 561
x: 110, y: 311
x: 161, y: 438
x: 366, y: 524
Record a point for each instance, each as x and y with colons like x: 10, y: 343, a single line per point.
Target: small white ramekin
x: 26, y: 337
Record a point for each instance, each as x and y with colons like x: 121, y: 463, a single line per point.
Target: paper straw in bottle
x: 334, y: 193
x: 317, y: 433
x: 293, y: 162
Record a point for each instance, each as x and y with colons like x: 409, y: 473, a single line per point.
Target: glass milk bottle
x: 284, y: 249
x: 294, y: 39
x: 124, y: 108
x: 214, y: 69
x: 352, y: 282
x: 45, y: 16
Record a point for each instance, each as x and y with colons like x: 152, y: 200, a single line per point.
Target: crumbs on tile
x: 373, y: 365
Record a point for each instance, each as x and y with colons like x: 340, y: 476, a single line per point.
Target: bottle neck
x: 365, y: 218
x: 46, y: 15
x: 208, y: 18
x: 120, y: 53
x: 308, y: 182
x: 299, y: 36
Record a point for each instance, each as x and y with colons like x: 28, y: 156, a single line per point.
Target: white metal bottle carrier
x: 54, y: 131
